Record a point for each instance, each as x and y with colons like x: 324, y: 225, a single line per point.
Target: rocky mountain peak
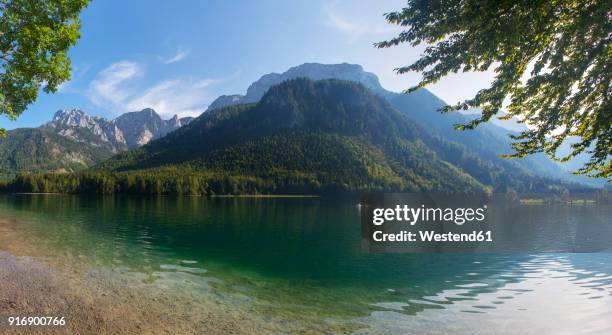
x: 64, y: 113
x: 343, y: 71
x: 225, y: 100
x: 71, y: 117
x: 128, y: 130
x: 174, y: 122
x: 313, y: 71
x: 141, y: 127
x: 77, y: 125
x: 146, y: 116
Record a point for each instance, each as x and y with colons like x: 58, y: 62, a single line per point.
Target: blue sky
x: 178, y: 56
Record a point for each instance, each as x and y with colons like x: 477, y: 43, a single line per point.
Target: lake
x: 300, y: 260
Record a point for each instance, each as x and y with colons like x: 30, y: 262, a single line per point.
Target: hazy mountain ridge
x: 488, y: 141
x: 314, y: 71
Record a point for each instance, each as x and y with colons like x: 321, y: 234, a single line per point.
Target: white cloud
x: 338, y: 22
x: 179, y: 56
x: 112, y: 85
x: 183, y: 97
x: 359, y: 25
x: 116, y: 90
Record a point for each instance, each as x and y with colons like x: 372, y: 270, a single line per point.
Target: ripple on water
x: 180, y: 268
x: 571, y: 295
x: 295, y: 269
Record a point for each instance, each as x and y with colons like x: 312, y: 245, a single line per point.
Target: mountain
x: 314, y: 71
x: 488, y: 141
x: 226, y: 100
x: 74, y: 141
x: 127, y: 131
x: 90, y: 131
x: 42, y: 150
x: 327, y: 134
x: 420, y: 105
x: 315, y: 135
x: 141, y: 127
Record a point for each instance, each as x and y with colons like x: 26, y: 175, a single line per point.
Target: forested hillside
x: 74, y: 141
x: 487, y: 142
x: 43, y: 150
x: 303, y: 136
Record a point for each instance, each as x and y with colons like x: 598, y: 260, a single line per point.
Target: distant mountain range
x: 488, y: 141
x: 73, y: 140
x: 307, y: 135
x: 127, y: 131
x: 323, y: 135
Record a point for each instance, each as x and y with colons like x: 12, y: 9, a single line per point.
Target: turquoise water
x: 301, y: 259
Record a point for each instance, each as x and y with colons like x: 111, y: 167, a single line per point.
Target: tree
x: 551, y: 61
x: 34, y: 41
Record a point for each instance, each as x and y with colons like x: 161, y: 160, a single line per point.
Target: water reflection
x: 301, y: 259
x: 546, y: 294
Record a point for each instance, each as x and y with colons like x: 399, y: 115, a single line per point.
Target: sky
x: 178, y: 56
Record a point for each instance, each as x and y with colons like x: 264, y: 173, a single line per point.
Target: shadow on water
x: 298, y: 255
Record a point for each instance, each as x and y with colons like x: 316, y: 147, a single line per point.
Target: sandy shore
x: 37, y: 279
x: 31, y: 288
x: 99, y: 304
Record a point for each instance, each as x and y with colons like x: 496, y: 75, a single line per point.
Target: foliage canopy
x: 551, y: 61
x: 34, y: 41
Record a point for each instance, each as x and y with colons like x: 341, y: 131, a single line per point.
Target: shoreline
x: 102, y: 301
x: 263, y: 196
x: 92, y: 306
x: 38, y: 280
x: 183, y: 195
